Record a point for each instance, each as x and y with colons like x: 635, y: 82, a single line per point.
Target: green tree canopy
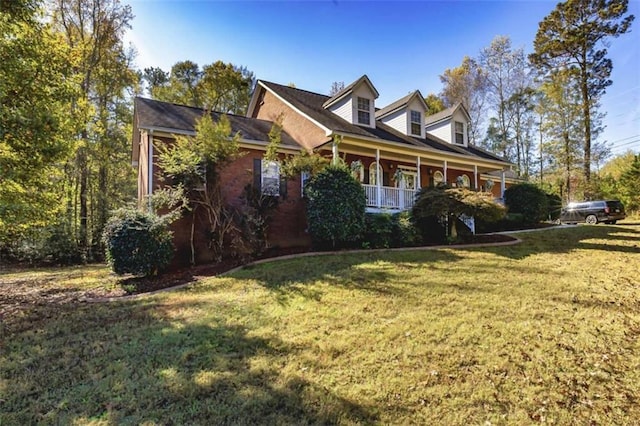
x: 36, y: 89
x: 573, y: 38
x: 444, y: 200
x: 219, y: 86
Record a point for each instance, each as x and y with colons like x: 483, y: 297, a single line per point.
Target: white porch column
x: 502, y: 184
x: 475, y: 176
x: 334, y: 152
x: 378, y: 179
x: 418, y: 183
x: 445, y: 171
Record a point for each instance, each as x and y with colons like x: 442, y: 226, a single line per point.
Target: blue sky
x: 401, y: 46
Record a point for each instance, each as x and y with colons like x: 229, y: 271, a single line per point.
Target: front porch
x: 389, y: 198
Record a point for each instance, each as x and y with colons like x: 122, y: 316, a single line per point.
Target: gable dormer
x: 451, y: 125
x: 406, y: 115
x: 355, y: 103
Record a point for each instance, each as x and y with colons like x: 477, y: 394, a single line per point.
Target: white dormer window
x: 416, y: 123
x: 364, y: 111
x: 459, y: 127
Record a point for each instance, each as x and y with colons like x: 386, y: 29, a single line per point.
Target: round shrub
x: 336, y: 205
x: 528, y: 200
x: 137, y: 243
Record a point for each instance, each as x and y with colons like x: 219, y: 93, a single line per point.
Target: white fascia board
x: 254, y: 99
x: 327, y: 131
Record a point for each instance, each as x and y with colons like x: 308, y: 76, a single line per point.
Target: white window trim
x: 373, y: 175
x: 407, y: 172
x: 358, y: 110
x: 411, y: 123
x: 455, y: 133
x: 271, y: 190
x: 304, y: 177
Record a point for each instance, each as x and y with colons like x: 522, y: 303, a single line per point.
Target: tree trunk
x: 84, y: 183
x: 586, y: 110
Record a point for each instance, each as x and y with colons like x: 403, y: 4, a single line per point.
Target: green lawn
x: 544, y: 331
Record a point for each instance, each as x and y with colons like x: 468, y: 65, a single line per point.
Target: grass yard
x: 544, y: 331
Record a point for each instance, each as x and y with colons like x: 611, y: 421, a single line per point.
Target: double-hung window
x: 459, y: 133
x: 270, y: 178
x: 416, y: 123
x: 364, y: 111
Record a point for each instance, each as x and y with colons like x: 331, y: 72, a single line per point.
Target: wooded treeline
x: 542, y: 111
x: 67, y: 82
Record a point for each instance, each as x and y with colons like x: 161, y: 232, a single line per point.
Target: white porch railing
x: 389, y: 198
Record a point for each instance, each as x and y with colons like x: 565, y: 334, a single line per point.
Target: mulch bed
x: 137, y: 285
x: 19, y: 294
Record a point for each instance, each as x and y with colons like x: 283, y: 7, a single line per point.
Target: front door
x: 408, y: 180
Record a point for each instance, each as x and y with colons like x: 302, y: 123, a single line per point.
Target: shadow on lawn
x: 564, y: 240
x: 293, y: 277
x: 132, y: 363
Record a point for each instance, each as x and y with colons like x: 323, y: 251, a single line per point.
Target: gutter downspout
x: 150, y: 177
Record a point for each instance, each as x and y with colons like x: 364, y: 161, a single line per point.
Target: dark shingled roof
x: 149, y: 113
x: 348, y: 89
x: 445, y: 113
x: 310, y: 104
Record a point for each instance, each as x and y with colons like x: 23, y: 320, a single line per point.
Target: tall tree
x: 435, y: 104
x: 563, y: 129
x: 505, y: 70
x: 219, y: 86
x: 94, y: 29
x: 467, y: 84
x: 36, y: 87
x: 574, y: 36
x: 336, y: 87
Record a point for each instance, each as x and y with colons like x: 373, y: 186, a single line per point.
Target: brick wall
x: 286, y: 229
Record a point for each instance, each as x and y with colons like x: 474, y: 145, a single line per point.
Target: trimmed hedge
x: 528, y: 200
x: 137, y: 243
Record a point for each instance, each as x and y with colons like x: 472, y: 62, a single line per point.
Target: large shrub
x: 434, y: 203
x: 383, y: 230
x: 137, y: 243
x: 48, y: 245
x: 528, y: 200
x: 336, y: 205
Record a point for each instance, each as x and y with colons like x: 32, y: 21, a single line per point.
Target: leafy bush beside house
x: 336, y: 205
x: 528, y: 200
x: 137, y: 243
x: 444, y: 201
x: 384, y: 230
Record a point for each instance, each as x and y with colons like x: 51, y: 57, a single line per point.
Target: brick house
x: 395, y: 150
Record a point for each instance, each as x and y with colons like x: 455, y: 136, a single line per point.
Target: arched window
x: 466, y: 182
x: 373, y: 176
x: 438, y: 178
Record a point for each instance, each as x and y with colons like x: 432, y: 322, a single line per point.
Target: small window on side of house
x: 304, y: 178
x: 270, y: 178
x: 459, y: 127
x: 416, y: 123
x: 364, y: 111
